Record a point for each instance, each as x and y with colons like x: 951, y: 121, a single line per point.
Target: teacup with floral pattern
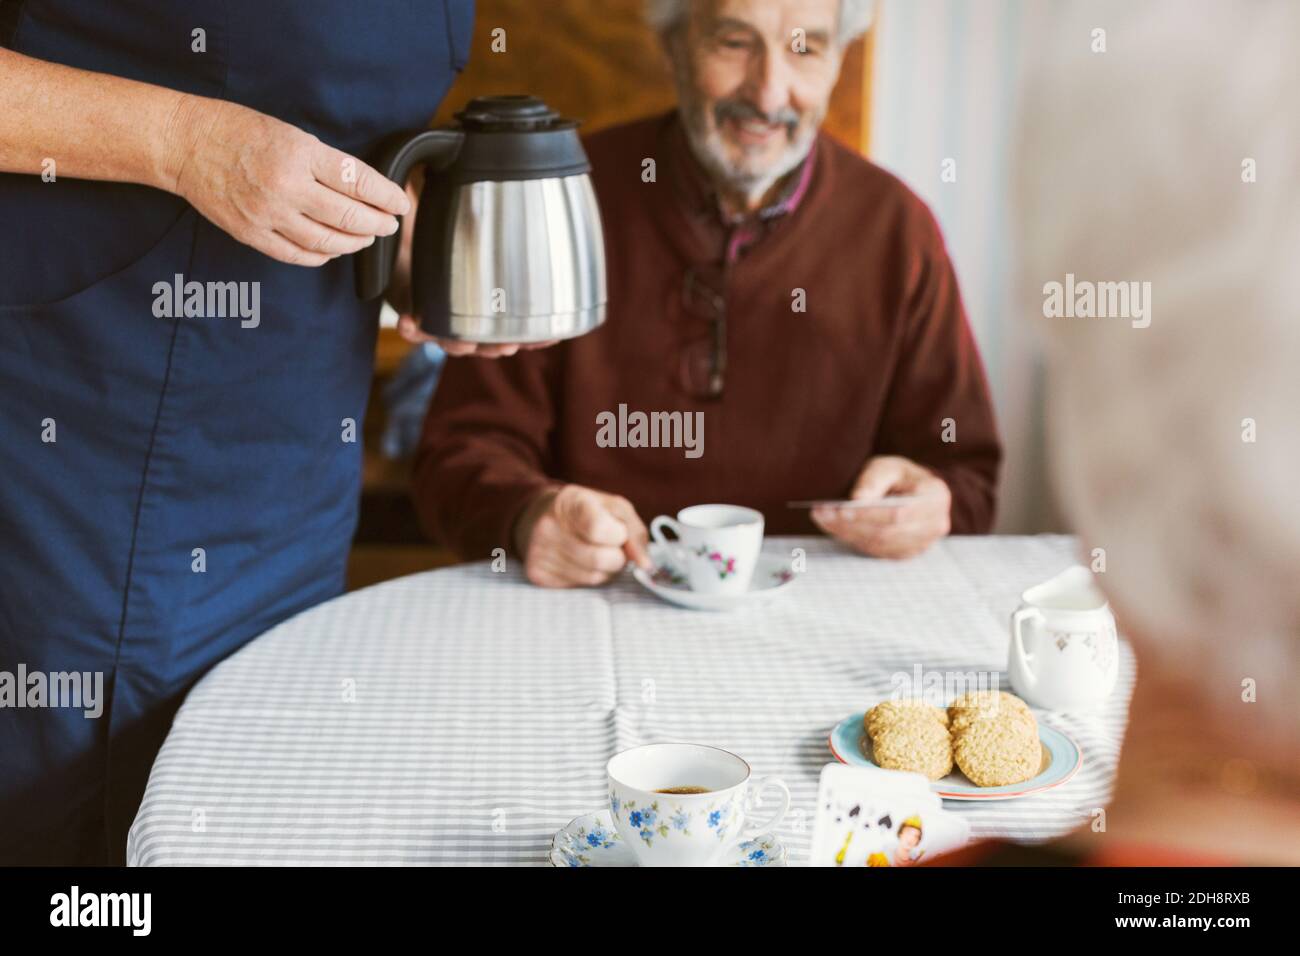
x: 716, y: 546
x: 684, y: 829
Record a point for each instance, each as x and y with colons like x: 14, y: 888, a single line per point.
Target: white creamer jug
x: 1064, y: 648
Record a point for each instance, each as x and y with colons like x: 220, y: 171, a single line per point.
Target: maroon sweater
x: 879, y: 359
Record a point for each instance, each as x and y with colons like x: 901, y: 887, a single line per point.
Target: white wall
x: 947, y: 75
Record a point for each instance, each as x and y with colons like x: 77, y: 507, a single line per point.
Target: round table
x: 462, y: 716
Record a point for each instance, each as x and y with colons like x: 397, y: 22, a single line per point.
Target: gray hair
x: 856, y: 17
x: 1155, y: 451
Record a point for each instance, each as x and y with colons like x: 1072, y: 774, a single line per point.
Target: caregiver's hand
x: 277, y: 188
x: 579, y: 537
x: 267, y: 183
x: 894, y: 532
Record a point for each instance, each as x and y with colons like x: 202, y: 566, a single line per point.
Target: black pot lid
x: 510, y: 114
x: 514, y: 138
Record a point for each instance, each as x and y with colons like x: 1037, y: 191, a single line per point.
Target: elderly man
x: 784, y: 298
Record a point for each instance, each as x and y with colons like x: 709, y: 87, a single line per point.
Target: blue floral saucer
x: 591, y: 840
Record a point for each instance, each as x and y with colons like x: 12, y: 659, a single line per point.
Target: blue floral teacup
x: 684, y: 804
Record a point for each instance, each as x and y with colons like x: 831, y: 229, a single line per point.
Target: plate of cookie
x: 986, y: 745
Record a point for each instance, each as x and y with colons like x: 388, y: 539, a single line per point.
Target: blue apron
x: 173, y: 486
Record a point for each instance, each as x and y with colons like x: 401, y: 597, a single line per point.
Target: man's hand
x: 893, y: 532
x: 579, y: 537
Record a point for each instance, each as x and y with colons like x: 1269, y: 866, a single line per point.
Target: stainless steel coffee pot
x: 508, y: 244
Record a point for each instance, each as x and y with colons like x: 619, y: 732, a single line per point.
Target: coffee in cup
x: 684, y: 804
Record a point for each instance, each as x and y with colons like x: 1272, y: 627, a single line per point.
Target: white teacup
x: 717, y: 546
x: 1064, y: 648
x: 684, y: 829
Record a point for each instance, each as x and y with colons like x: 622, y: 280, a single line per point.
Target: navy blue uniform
x: 129, y: 438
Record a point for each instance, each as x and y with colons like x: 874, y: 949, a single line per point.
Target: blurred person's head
x: 1176, y: 447
x: 754, y: 80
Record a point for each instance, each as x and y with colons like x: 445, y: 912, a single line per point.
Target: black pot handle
x: 438, y: 149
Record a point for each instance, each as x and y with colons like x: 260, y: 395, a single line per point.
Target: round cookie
x: 997, y: 751
x: 986, y: 705
x: 889, y: 712
x: 915, y: 742
x: 961, y: 722
x: 987, y: 700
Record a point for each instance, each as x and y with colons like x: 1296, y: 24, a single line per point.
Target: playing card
x: 872, y: 817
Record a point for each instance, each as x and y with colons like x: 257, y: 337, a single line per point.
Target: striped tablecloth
x: 462, y: 716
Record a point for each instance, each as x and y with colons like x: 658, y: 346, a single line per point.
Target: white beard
x: 711, y: 152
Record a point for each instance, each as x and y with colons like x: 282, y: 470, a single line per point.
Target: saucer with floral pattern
x: 591, y: 840
x: 772, y: 574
